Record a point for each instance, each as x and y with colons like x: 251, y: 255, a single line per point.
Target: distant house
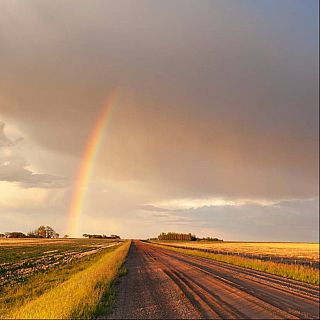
x: 15, y: 235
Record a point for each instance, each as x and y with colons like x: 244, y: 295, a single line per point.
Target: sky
x: 215, y: 130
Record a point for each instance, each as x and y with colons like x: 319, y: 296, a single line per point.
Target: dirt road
x: 163, y: 284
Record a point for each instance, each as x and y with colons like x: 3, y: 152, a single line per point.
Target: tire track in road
x: 290, y: 295
x: 146, y: 292
x: 302, y: 289
x: 164, y: 284
x: 232, y: 302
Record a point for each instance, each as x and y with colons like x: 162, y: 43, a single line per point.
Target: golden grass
x: 14, y: 295
x: 309, y: 251
x: 295, y: 272
x: 79, y: 296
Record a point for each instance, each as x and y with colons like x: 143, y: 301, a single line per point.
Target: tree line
x: 183, y: 237
x: 100, y: 236
x: 49, y: 233
x: 177, y: 236
x: 41, y: 232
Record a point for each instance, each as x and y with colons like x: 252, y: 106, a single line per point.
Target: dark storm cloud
x: 220, y: 97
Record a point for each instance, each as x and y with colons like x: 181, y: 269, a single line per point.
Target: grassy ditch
x: 76, y: 296
x: 109, y: 297
x: 17, y: 293
x: 295, y: 272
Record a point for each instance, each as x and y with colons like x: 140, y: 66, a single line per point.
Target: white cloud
x: 188, y: 203
x: 14, y: 167
x: 13, y: 198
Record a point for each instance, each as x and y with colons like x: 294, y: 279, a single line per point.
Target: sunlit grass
x: 295, y: 272
x: 293, y: 250
x: 79, y: 296
x: 14, y: 295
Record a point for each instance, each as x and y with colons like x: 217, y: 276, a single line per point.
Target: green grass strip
x: 79, y: 296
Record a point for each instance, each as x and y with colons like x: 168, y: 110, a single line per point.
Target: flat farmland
x: 303, y: 251
x: 36, y: 273
x: 20, y: 259
x: 75, y: 279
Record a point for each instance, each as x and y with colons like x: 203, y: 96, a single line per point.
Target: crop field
x: 74, y: 279
x: 301, y: 251
x: 20, y: 259
x: 31, y: 269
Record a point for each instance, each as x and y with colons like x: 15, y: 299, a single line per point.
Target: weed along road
x: 163, y: 284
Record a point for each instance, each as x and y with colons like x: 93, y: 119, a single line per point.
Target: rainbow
x: 85, y: 168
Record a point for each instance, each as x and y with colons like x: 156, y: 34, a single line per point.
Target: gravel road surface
x: 163, y: 284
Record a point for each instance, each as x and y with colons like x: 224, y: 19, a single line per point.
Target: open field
x: 76, y: 271
x: 74, y: 278
x: 33, y: 241
x: 303, y: 251
x: 19, y: 259
x: 164, y: 284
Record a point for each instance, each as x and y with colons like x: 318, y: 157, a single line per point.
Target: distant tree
x: 183, y: 237
x: 49, y: 232
x: 43, y: 232
x: 99, y: 236
x: 66, y: 236
x: 177, y: 236
x: 211, y: 239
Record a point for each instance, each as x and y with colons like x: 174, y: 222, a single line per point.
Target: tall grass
x: 16, y: 294
x: 295, y: 272
x: 79, y: 296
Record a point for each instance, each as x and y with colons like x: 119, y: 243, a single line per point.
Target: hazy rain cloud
x: 219, y: 100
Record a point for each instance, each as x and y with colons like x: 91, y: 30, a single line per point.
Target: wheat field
x: 294, y: 250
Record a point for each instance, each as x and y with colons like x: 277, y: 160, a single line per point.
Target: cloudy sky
x: 215, y: 131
